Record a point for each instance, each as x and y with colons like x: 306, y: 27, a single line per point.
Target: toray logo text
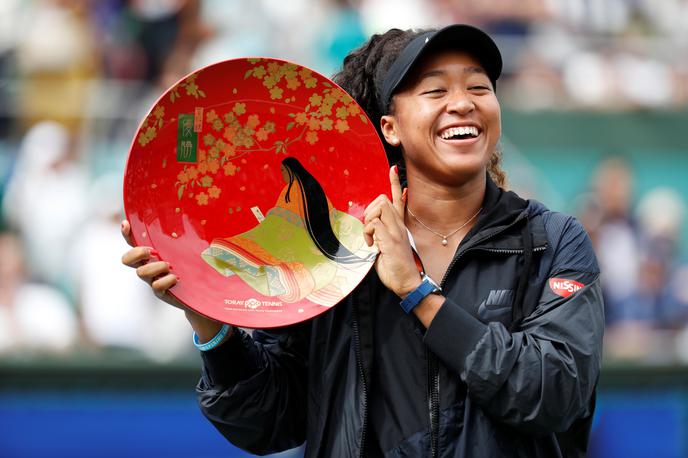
x: 564, y: 287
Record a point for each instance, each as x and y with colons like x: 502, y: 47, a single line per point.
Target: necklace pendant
x: 444, y: 242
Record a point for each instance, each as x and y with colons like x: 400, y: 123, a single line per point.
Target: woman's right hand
x: 160, y: 278
x: 154, y: 272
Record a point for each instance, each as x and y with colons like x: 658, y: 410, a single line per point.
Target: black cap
x: 458, y: 36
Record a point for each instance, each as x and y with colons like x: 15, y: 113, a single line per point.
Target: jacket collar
x: 499, y: 225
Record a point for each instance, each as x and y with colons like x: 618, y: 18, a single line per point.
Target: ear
x: 388, y: 126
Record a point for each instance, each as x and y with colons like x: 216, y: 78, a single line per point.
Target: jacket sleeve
x: 541, y: 378
x: 253, y: 388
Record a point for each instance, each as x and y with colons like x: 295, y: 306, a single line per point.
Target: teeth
x: 454, y: 131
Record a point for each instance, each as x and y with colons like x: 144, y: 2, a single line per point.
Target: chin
x: 458, y: 176
x: 465, y: 167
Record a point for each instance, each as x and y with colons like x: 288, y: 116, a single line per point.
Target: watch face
x: 250, y: 177
x: 433, y: 283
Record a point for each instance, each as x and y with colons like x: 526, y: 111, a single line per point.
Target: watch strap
x: 426, y: 287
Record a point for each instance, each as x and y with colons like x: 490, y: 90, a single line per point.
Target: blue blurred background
x: 595, y: 120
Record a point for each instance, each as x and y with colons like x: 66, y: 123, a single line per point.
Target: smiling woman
x: 457, y: 344
x: 447, y: 118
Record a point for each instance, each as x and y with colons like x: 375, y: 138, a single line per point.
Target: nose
x: 460, y: 102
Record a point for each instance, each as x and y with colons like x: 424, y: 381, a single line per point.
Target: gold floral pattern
x: 229, y: 133
x: 151, y: 125
x: 190, y: 86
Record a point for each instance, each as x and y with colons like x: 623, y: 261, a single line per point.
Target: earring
x: 394, y: 141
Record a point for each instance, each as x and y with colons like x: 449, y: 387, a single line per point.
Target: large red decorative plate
x: 250, y: 177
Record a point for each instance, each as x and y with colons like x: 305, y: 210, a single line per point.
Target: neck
x: 441, y: 207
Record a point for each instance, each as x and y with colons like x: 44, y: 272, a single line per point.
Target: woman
x: 294, y: 253
x: 492, y: 350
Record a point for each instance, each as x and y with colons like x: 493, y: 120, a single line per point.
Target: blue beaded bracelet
x: 214, y: 342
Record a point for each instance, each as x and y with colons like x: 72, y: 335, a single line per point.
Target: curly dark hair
x: 366, y: 66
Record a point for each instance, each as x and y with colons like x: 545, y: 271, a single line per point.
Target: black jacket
x: 508, y: 366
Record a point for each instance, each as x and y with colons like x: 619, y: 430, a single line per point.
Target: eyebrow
x: 469, y: 69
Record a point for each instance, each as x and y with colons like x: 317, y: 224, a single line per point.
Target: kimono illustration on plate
x: 303, y: 249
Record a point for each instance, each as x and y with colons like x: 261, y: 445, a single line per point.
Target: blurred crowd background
x: 76, y: 78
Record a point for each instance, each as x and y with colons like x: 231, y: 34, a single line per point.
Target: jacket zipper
x: 511, y: 251
x: 433, y: 401
x: 359, y: 363
x: 486, y: 237
x: 433, y: 363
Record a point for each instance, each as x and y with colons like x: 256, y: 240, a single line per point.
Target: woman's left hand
x: 384, y: 225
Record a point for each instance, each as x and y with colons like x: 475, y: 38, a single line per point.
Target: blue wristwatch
x: 426, y: 287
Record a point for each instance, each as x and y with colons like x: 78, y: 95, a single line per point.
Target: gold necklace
x: 444, y: 237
